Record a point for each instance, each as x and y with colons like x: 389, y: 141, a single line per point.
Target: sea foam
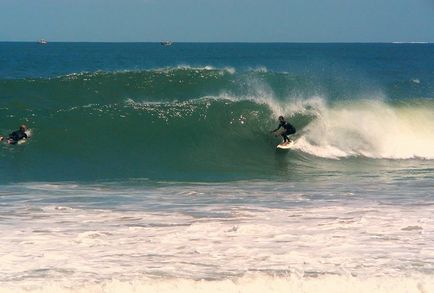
x: 255, y: 283
x: 370, y: 128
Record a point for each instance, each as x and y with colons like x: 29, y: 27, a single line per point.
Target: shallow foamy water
x: 229, y: 237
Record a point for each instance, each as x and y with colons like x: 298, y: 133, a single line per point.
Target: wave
x: 185, y: 122
x: 367, y: 128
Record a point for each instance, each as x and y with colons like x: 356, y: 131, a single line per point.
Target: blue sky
x: 218, y: 20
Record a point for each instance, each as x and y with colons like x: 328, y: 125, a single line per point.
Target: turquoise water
x: 154, y: 167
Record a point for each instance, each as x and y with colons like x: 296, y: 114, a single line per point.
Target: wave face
x: 203, y: 123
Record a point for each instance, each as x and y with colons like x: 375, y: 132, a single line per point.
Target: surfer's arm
x: 276, y: 128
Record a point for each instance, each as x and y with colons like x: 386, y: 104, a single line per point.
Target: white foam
x: 211, y: 235
x: 229, y: 70
x: 259, y: 69
x: 370, y: 128
x: 248, y: 284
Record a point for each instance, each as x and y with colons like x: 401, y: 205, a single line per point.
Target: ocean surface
x: 153, y: 169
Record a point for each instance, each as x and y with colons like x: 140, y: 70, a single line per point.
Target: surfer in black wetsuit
x: 17, y: 135
x: 288, y: 129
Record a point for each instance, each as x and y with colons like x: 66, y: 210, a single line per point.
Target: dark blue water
x: 382, y: 62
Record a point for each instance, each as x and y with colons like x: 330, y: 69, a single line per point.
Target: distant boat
x: 166, y: 43
x: 42, y: 42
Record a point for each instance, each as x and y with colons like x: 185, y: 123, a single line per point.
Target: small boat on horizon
x: 42, y: 42
x: 166, y: 43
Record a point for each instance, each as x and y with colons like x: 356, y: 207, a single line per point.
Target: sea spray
x: 372, y: 129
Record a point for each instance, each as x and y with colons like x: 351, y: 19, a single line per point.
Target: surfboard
x: 21, y: 141
x: 287, y: 146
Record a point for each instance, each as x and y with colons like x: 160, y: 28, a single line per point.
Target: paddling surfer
x: 17, y: 135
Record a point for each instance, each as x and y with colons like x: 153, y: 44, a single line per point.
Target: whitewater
x: 153, y: 168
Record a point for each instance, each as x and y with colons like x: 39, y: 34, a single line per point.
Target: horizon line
x: 232, y: 42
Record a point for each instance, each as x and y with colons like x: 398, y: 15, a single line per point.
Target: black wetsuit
x: 16, y: 136
x: 289, y: 129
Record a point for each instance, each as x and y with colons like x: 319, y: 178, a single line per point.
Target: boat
x: 166, y: 43
x: 42, y: 42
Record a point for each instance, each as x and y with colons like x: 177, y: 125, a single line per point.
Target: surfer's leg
x: 286, y: 135
x: 285, y: 138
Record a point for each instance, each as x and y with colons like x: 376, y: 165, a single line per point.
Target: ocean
x: 153, y: 169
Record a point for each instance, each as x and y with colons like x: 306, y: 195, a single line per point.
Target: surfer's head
x: 23, y: 127
x: 281, y: 118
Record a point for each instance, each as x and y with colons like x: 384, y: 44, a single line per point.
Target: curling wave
x: 199, y: 123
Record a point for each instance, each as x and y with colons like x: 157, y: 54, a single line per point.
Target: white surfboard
x: 24, y: 140
x: 286, y: 146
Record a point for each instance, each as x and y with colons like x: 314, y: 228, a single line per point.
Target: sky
x: 217, y: 20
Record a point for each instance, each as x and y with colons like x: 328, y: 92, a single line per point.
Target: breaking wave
x: 181, y: 122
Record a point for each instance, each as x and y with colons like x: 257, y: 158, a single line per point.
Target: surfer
x: 288, y: 129
x: 17, y: 135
